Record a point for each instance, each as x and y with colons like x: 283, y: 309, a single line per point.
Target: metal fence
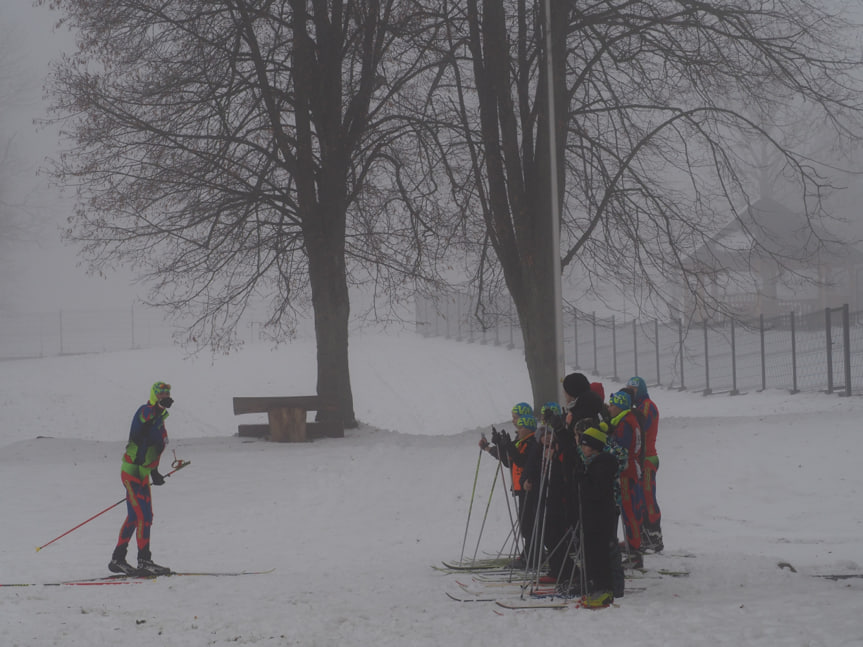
x: 70, y: 332
x: 821, y: 351
x: 73, y: 332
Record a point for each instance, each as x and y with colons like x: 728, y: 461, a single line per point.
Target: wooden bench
x: 287, y: 418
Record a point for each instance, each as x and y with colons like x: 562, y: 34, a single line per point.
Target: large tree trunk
x: 332, y: 309
x: 515, y: 140
x: 535, y: 299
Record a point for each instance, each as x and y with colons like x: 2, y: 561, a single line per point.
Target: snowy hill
x: 351, y: 526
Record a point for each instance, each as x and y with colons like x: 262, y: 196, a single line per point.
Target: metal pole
x: 179, y: 465
x: 470, y: 507
x: 846, y: 347
x: 553, y: 202
x: 733, y: 361
x: 614, y: 348
x: 680, y: 338
x: 595, y: 354
x: 511, y: 326
x: 793, y: 356
x: 707, y: 390
x: 656, y: 337
x: 458, y: 330
x: 828, y: 329
x: 635, y: 347
x: 575, y: 336
x: 763, y: 354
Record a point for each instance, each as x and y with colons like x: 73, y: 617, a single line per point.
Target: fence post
x: 828, y: 328
x: 763, y: 354
x: 656, y: 338
x: 680, y: 338
x: 614, y: 349
x: 846, y: 347
x: 793, y: 356
x: 734, y: 390
x: 511, y: 326
x: 458, y: 316
x: 707, y: 390
x: 634, y: 347
x: 575, y: 335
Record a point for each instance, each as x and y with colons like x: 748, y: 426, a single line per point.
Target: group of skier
x: 575, y: 470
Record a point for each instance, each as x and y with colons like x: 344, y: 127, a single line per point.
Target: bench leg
x: 287, y: 425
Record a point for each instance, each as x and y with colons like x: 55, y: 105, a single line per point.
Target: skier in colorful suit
x: 651, y: 531
x: 627, y: 433
x: 147, y: 440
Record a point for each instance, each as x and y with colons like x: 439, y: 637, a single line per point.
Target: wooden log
x: 287, y: 424
x: 253, y: 431
x: 264, y: 404
x: 325, y: 429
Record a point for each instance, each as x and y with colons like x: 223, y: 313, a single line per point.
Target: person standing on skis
x: 147, y: 440
x: 651, y: 529
x: 626, y: 432
x: 522, y: 456
x: 596, y: 475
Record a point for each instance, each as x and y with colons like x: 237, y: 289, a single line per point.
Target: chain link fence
x: 71, y: 332
x: 821, y: 351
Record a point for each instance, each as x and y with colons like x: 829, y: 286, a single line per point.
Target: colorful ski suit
x: 650, y: 414
x: 627, y: 434
x: 147, y: 440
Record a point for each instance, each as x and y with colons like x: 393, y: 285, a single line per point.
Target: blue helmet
x: 551, y: 408
x: 522, y: 409
x: 640, y: 387
x: 621, y: 399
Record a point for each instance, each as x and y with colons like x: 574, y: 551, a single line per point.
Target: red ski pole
x: 177, y: 465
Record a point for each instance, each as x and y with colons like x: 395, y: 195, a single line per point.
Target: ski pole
x: 485, y: 516
x: 470, y: 507
x: 177, y: 465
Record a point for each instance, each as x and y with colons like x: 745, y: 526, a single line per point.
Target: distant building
x: 771, y: 260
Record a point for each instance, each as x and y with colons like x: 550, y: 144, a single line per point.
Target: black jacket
x: 596, y: 484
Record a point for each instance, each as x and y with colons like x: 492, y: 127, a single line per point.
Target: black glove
x: 578, y: 469
x: 565, y: 437
x: 158, y: 479
x: 556, y: 421
x: 503, y: 440
x: 495, y: 436
x: 166, y: 403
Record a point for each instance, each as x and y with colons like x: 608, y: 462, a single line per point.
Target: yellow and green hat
x: 158, y: 389
x: 594, y: 438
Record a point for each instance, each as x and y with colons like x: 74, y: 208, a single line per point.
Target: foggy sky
x: 38, y: 272
x: 41, y: 273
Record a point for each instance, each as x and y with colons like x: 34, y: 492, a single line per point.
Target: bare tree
x: 246, y: 149
x: 651, y: 96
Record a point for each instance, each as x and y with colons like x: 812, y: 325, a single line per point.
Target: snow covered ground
x: 352, y: 526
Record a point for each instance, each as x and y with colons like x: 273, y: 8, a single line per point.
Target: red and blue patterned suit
x: 627, y: 434
x: 147, y: 440
x: 653, y: 515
